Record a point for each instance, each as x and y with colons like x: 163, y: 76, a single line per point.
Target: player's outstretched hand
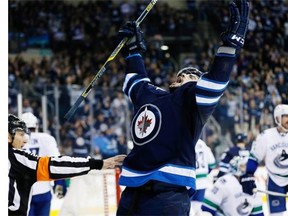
x: 135, y: 43
x: 235, y: 34
x: 112, y: 162
x: 248, y: 183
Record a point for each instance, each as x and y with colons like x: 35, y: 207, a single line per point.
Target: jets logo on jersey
x: 146, y: 124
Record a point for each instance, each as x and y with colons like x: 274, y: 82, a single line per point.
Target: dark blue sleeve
x: 251, y: 166
x: 212, y: 85
x: 137, y: 86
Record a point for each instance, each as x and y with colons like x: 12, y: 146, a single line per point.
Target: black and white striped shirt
x: 25, y: 169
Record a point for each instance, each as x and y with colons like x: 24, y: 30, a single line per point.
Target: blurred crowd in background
x: 77, y: 37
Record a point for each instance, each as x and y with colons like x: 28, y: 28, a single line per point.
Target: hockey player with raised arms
x: 271, y: 146
x: 165, y: 127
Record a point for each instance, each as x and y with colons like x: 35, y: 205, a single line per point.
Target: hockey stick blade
x: 85, y: 93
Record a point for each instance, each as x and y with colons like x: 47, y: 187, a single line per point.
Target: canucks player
x: 271, y: 146
x: 166, y: 125
x: 226, y: 196
x: 42, y: 144
x: 205, y: 162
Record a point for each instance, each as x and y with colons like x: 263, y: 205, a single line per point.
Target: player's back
x: 205, y: 159
x: 42, y: 144
x: 228, y: 197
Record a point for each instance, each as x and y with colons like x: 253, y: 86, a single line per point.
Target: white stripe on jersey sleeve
x: 200, y: 99
x: 127, y: 78
x: 68, y: 170
x: 68, y: 159
x: 211, y: 85
x: 32, y: 164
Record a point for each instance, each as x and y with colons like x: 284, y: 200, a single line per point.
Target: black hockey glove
x: 248, y: 183
x: 135, y: 43
x: 235, y: 34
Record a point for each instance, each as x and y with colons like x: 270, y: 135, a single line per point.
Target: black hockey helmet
x: 14, y: 124
x: 190, y: 70
x: 240, y: 137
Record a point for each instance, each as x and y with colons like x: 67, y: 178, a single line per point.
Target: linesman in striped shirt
x: 25, y: 169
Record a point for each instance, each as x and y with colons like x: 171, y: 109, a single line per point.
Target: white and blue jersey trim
x: 169, y: 173
x: 211, y: 85
x: 136, y: 81
x: 133, y: 55
x: 204, y: 100
x: 127, y: 78
x: 211, y: 91
x: 224, y: 167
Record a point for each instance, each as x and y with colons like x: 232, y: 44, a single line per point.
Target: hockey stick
x: 103, y: 68
x: 273, y: 193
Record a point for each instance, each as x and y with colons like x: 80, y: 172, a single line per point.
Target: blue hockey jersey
x: 166, y: 126
x: 227, y: 156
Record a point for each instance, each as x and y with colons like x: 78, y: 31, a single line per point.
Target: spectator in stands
x: 81, y: 146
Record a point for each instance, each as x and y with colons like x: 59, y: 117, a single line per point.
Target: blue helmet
x: 240, y: 137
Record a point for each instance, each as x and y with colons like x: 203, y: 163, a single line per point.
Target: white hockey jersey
x: 42, y: 144
x: 205, y: 161
x: 226, y: 197
x: 272, y: 148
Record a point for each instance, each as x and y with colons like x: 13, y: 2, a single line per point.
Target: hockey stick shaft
x: 85, y: 93
x: 273, y: 193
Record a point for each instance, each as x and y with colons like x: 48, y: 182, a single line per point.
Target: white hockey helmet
x: 280, y: 109
x: 238, y: 165
x: 30, y: 120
